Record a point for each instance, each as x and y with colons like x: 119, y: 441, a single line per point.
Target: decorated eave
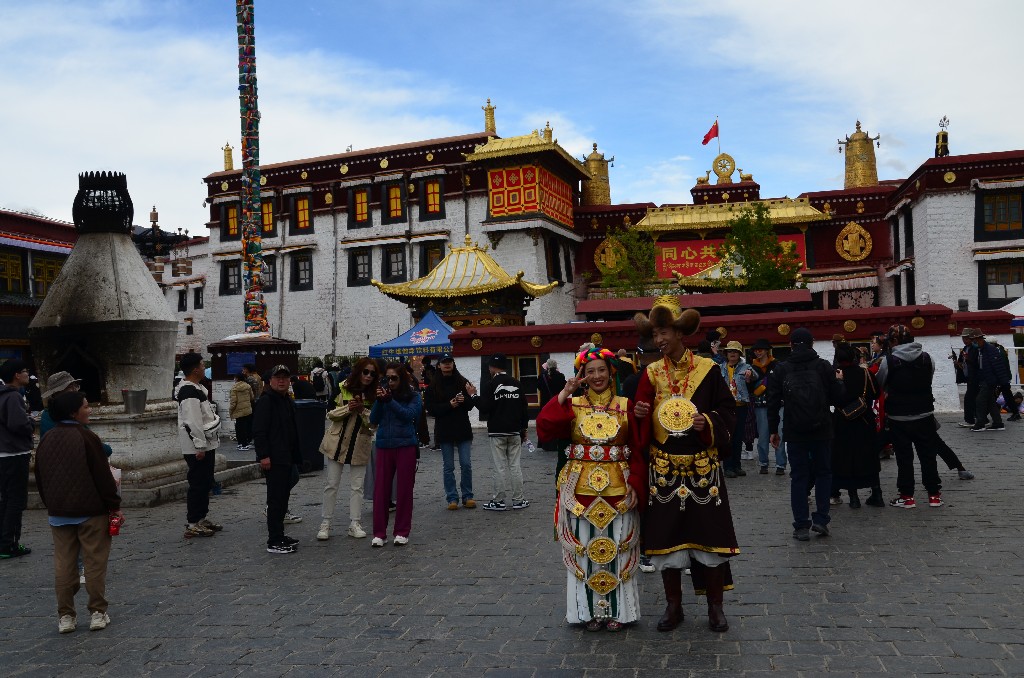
x: 709, y: 217
x: 526, y: 145
x: 464, y: 272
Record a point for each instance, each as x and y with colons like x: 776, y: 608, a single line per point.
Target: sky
x: 149, y: 87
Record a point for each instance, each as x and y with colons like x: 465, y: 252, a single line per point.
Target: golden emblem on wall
x: 223, y: 185
x: 593, y: 222
x: 328, y: 198
x: 783, y: 329
x: 723, y: 166
x: 849, y: 326
x: 536, y: 341
x: 430, y: 157
x: 725, y: 196
x: 304, y: 175
x: 853, y: 242
x: 263, y: 181
x: 477, y: 344
x: 343, y: 169
x: 596, y: 338
x: 610, y: 255
x: 917, y: 322
x: 384, y: 163
x: 949, y: 177
x: 860, y: 207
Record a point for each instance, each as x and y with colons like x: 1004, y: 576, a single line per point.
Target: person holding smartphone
x: 395, y: 412
x: 449, y: 399
x: 349, y: 440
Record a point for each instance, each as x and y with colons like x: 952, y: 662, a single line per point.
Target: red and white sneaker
x: 903, y: 501
x: 935, y: 500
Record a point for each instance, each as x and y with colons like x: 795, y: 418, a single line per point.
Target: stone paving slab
x: 910, y: 592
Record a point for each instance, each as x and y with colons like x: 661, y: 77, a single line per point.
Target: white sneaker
x: 377, y: 541
x: 99, y: 621
x: 67, y: 624
x: 356, y: 530
x: 325, y: 531
x: 401, y: 541
x: 289, y: 519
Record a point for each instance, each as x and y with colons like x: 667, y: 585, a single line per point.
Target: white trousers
x: 355, y: 477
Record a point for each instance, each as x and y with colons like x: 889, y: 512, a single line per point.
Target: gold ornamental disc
x: 599, y: 479
x: 600, y: 513
x: 601, y: 550
x: 676, y: 414
x: 599, y: 427
x: 603, y: 582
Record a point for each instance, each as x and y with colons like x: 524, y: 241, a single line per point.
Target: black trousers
x: 281, y: 478
x: 13, y: 499
x: 243, y: 429
x: 987, y: 406
x: 971, y: 401
x: 200, y: 482
x: 919, y: 435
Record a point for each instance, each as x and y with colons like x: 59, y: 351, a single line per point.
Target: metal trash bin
x: 310, y: 420
x: 134, y: 401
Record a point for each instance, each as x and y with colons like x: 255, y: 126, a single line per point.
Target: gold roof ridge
x: 534, y: 142
x: 703, y: 217
x: 465, y: 271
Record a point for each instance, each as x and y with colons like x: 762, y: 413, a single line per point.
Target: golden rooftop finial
x: 489, y: 124
x: 860, y: 158
x: 229, y: 162
x: 548, y: 132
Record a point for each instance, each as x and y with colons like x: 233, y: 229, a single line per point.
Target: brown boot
x: 715, y: 584
x: 672, y: 579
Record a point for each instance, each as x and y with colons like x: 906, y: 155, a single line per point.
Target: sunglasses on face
x: 392, y: 377
x: 369, y: 373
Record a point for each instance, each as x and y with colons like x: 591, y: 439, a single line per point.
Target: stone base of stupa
x: 146, y: 449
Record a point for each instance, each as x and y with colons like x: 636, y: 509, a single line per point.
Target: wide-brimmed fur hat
x: 666, y: 312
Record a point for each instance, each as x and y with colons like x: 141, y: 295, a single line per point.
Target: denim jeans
x: 761, y: 417
x: 810, y: 460
x: 465, y: 466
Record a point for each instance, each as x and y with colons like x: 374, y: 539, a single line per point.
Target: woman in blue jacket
x: 395, y: 413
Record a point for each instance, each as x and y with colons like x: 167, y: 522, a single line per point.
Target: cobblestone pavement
x: 927, y: 591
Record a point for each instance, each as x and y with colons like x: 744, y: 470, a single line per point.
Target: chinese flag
x: 712, y: 133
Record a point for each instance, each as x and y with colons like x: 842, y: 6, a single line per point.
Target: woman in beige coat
x: 240, y: 409
x: 349, y: 440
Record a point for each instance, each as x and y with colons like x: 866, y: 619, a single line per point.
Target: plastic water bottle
x: 530, y: 447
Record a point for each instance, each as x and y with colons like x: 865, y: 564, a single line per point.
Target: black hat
x: 446, y: 358
x: 762, y: 343
x: 801, y: 335
x: 280, y: 369
x: 498, y: 360
x: 713, y: 335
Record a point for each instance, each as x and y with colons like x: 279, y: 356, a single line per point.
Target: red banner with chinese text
x: 691, y: 257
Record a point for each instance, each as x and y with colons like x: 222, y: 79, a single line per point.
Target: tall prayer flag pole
x: 252, y: 213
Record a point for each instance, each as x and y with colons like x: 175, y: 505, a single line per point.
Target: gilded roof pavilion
x: 717, y: 216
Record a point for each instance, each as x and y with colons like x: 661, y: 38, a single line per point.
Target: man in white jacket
x: 198, y: 435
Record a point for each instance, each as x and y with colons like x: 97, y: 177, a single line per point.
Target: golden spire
x: 548, y: 132
x: 229, y: 162
x: 942, y: 139
x: 596, y: 190
x: 489, y: 125
x: 860, y: 159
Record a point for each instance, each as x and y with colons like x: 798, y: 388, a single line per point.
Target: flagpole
x: 719, y: 136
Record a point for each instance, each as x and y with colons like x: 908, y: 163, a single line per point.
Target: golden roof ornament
x: 861, y: 169
x: 229, y: 162
x: 489, y: 125
x: 942, y: 139
x: 548, y: 132
x: 723, y: 167
x: 597, y: 189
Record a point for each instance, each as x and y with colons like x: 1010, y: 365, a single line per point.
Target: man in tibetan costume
x: 685, y: 413
x: 599, y: 490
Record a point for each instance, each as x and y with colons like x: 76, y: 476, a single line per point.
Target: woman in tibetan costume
x: 685, y: 414
x: 599, y: 490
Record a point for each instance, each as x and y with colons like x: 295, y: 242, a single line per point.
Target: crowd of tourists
x: 644, y: 449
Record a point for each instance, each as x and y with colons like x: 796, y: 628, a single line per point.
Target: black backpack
x: 318, y: 382
x: 804, y: 398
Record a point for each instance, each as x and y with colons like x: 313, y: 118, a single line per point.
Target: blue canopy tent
x: 427, y: 337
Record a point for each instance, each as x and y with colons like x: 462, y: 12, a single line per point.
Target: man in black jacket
x: 806, y: 386
x: 276, y: 437
x: 15, y: 451
x: 504, y: 403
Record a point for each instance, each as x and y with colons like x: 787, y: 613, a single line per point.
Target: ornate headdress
x: 666, y: 312
x: 596, y: 353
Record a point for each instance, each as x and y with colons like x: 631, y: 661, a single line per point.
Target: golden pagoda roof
x: 709, y: 217
x: 465, y: 271
x: 526, y: 144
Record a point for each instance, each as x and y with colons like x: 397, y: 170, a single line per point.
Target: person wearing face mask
x: 599, y: 490
x: 449, y: 399
x: 349, y: 440
x: 686, y: 414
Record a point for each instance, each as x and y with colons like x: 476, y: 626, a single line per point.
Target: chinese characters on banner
x: 523, y: 190
x: 691, y: 257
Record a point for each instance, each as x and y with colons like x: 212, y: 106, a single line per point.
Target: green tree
x: 635, y: 274
x: 752, y: 257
